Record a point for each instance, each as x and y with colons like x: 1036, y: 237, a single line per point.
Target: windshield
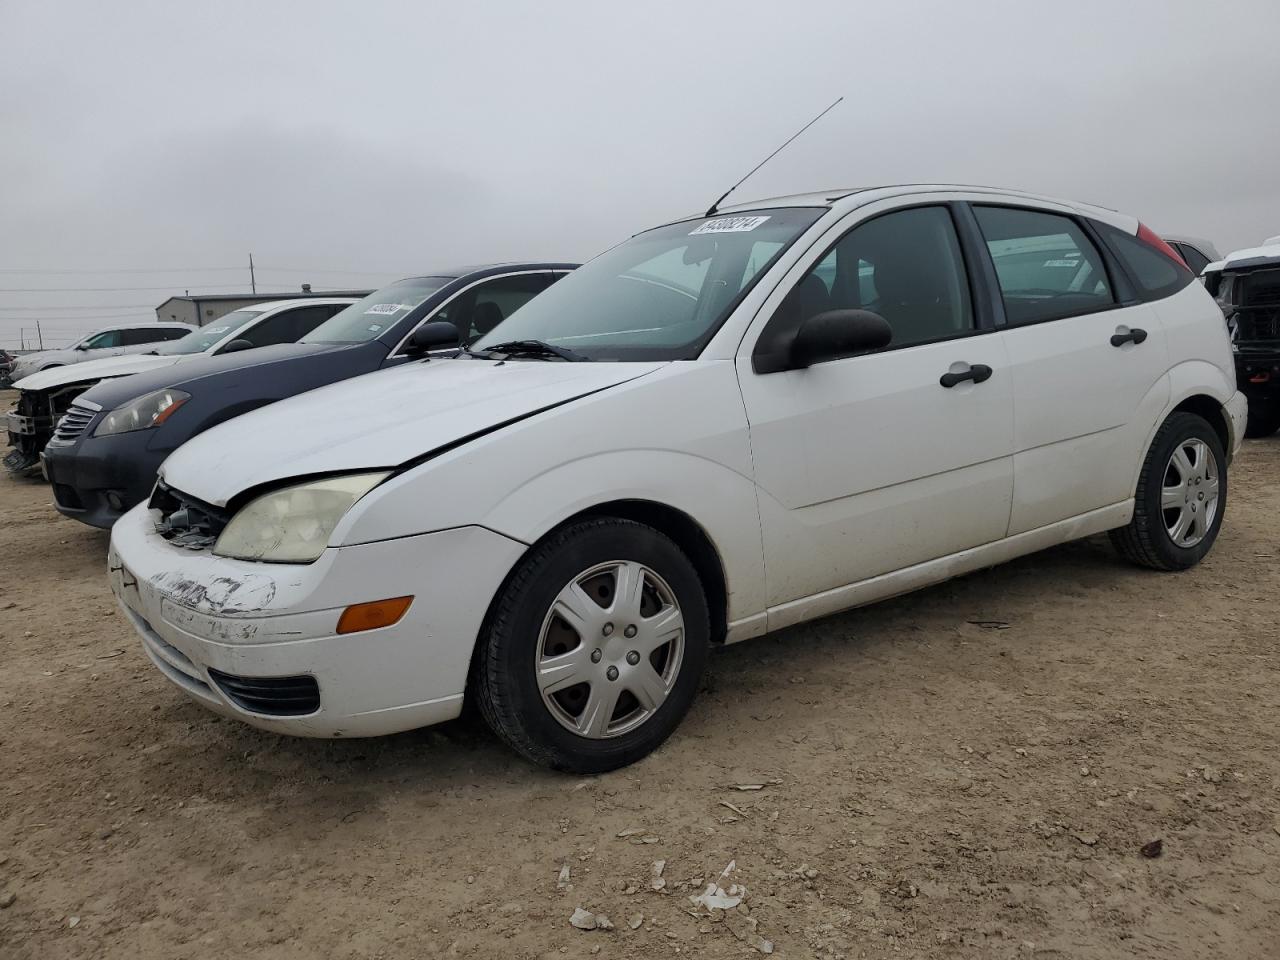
x: 660, y: 295
x: 198, y: 341
x: 367, y: 318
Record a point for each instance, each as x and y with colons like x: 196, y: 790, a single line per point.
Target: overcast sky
x: 394, y: 138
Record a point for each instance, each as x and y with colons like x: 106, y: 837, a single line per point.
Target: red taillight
x: 1149, y: 237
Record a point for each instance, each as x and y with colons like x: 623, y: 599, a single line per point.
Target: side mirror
x: 235, y: 346
x: 436, y: 335
x: 837, y: 334
x: 82, y: 346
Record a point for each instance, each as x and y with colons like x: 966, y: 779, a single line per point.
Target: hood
x: 382, y: 419
x: 112, y: 393
x: 96, y: 370
x: 30, y: 360
x: 1252, y: 257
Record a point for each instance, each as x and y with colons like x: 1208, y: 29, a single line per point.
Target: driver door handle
x: 977, y: 373
x: 1125, y: 335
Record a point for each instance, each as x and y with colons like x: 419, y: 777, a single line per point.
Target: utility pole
x: 253, y: 284
x: 40, y: 334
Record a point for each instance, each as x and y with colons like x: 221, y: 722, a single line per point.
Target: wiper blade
x: 530, y: 348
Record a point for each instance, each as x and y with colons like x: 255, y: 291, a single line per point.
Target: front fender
x: 677, y: 437
x: 720, y: 501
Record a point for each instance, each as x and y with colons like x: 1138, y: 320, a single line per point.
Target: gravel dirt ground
x: 969, y: 771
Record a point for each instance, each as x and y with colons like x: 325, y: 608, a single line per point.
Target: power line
x: 171, y: 286
x: 35, y: 270
x: 84, y: 306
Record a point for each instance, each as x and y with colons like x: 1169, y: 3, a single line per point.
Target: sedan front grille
x: 73, y: 424
x: 274, y: 696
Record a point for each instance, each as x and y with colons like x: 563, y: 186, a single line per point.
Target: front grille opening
x: 272, y: 696
x: 73, y: 423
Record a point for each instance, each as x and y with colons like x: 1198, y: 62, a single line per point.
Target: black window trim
x: 1186, y: 274
x: 1110, y: 264
x: 984, y: 321
x: 395, y: 353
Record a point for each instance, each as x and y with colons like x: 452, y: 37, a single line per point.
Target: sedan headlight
x: 150, y: 410
x: 292, y: 525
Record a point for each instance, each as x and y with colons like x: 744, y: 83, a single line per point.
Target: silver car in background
x: 104, y: 342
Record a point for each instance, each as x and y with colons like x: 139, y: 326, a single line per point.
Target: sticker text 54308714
x: 728, y: 225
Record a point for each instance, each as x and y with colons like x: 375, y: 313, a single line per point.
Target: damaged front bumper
x: 27, y: 437
x: 32, y: 424
x: 258, y: 641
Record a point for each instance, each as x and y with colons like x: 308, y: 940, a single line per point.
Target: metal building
x: 199, y: 310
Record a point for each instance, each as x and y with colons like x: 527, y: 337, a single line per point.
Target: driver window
x: 905, y: 266
x: 103, y: 340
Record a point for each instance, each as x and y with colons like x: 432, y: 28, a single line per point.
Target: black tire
x: 1264, y: 419
x: 504, y: 677
x: 1146, y: 540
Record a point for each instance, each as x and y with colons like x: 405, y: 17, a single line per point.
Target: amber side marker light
x: 372, y: 615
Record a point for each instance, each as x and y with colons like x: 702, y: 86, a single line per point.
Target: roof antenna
x: 711, y: 211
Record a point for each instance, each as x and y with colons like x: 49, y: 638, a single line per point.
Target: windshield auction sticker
x: 386, y: 309
x: 728, y: 225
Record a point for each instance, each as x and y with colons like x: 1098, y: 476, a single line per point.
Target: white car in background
x: 106, y: 342
x: 43, y: 397
x: 276, y: 321
x: 783, y: 410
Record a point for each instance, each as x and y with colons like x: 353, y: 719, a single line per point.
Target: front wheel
x: 1181, y: 497
x: 594, y: 650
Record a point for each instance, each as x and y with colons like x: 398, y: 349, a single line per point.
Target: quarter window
x: 1155, y: 273
x: 905, y: 266
x: 1047, y: 267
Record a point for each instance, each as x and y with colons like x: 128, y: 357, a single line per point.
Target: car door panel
x: 869, y: 464
x: 1082, y: 407
x: 872, y: 465
x: 1086, y: 358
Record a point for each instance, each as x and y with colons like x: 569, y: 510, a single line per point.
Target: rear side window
x: 1047, y: 267
x: 1155, y: 275
x: 140, y: 335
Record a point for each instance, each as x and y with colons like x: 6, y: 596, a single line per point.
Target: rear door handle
x: 977, y: 373
x: 1125, y: 335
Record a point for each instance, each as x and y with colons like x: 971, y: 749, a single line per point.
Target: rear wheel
x: 1264, y: 419
x: 594, y: 650
x: 1181, y: 496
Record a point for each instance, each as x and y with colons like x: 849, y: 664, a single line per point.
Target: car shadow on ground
x: 740, y: 680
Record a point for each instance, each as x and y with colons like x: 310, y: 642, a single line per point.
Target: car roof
x: 457, y: 273
x: 1266, y: 255
x: 142, y: 325
x: 850, y: 198
x: 1200, y: 243
x: 299, y: 302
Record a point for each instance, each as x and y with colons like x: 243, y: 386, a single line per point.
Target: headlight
x: 147, y: 411
x: 293, y: 525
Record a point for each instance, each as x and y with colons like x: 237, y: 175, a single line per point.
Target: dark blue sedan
x: 105, y: 452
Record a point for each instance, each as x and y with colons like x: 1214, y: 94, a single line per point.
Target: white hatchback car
x: 787, y: 409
